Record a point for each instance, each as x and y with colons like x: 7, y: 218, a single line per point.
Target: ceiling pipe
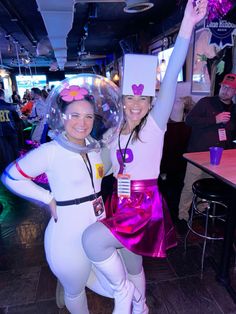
x: 58, y: 19
x: 14, y: 16
x: 136, y: 6
x: 132, y: 6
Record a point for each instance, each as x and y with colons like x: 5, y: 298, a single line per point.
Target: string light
x: 116, y: 77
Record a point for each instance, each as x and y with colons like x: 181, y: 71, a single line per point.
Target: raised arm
x: 165, y: 99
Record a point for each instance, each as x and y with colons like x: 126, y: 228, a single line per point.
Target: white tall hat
x: 139, y: 77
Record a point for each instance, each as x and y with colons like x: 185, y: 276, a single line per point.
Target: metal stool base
x: 208, y: 214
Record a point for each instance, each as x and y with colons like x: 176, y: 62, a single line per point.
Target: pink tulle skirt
x: 142, y: 222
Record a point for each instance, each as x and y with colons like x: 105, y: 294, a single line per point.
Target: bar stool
x: 210, y: 203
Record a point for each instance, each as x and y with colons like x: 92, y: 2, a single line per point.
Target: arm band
x: 22, y: 172
x: 9, y: 176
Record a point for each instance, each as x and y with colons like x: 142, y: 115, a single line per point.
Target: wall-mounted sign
x: 222, y: 32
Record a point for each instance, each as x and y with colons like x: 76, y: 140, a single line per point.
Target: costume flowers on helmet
x: 104, y: 95
x: 73, y: 93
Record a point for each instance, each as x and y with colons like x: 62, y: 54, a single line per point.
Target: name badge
x: 222, y: 134
x: 99, y: 208
x: 123, y: 185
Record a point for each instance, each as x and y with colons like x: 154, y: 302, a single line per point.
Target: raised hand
x: 196, y: 10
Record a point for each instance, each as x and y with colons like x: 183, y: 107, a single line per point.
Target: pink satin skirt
x: 142, y: 223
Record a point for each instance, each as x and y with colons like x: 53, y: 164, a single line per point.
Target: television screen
x: 163, y: 60
x: 27, y: 82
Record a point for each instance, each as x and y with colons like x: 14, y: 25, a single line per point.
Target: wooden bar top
x: 225, y: 171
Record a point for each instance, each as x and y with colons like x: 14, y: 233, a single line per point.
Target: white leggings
x: 65, y: 254
x: 99, y: 244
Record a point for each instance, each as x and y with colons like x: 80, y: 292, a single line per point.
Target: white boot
x: 139, y: 282
x: 113, y: 269
x: 77, y: 304
x: 99, y: 284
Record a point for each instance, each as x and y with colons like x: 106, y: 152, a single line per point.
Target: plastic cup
x: 215, y: 154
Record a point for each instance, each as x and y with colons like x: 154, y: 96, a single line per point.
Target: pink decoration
x: 74, y: 92
x: 32, y: 143
x: 138, y: 89
x: 218, y: 8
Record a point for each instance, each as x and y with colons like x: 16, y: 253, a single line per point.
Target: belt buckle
x: 95, y: 196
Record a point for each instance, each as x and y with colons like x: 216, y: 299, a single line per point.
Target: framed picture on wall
x: 201, y: 83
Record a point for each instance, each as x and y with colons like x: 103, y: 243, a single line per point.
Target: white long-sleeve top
x: 66, y: 171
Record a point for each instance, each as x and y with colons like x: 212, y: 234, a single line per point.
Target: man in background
x: 37, y: 116
x: 213, y: 123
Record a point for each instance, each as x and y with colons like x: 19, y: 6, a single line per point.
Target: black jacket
x: 8, y: 119
x: 202, y: 120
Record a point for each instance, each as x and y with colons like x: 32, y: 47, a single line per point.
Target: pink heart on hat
x: 138, y: 89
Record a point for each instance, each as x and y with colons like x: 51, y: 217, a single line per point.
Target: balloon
x: 108, y: 111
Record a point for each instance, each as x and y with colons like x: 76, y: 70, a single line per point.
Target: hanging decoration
x: 221, y: 30
x: 18, y: 58
x: 217, y: 9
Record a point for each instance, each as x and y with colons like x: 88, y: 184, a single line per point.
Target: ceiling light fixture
x: 136, y: 6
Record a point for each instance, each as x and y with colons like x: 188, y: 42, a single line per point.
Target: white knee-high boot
x: 98, y: 283
x: 77, y: 304
x: 113, y: 269
x: 139, y: 307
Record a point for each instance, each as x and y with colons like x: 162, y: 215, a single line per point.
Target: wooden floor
x: 174, y: 284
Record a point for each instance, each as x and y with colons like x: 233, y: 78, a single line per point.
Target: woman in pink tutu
x: 138, y: 222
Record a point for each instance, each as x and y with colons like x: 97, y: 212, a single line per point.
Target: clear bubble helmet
x: 108, y: 111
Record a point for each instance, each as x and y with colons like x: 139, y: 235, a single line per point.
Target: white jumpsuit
x: 69, y: 179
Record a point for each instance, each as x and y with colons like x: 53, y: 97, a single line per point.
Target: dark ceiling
x: 97, y: 31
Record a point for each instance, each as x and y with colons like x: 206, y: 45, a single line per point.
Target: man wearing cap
x: 213, y: 123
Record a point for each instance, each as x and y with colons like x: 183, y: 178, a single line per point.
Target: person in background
x: 188, y: 105
x: 213, y: 123
x: 9, y: 118
x: 44, y: 136
x: 37, y: 116
x: 74, y: 177
x: 26, y: 109
x: 44, y: 94
x: 138, y: 221
x: 26, y: 96
x: 16, y: 98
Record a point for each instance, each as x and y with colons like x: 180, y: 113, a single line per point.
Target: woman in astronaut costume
x: 74, y: 177
x: 138, y: 222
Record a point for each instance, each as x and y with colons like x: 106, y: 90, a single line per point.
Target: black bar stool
x: 210, y: 203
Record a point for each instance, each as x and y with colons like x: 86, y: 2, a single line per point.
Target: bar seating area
x: 210, y: 204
